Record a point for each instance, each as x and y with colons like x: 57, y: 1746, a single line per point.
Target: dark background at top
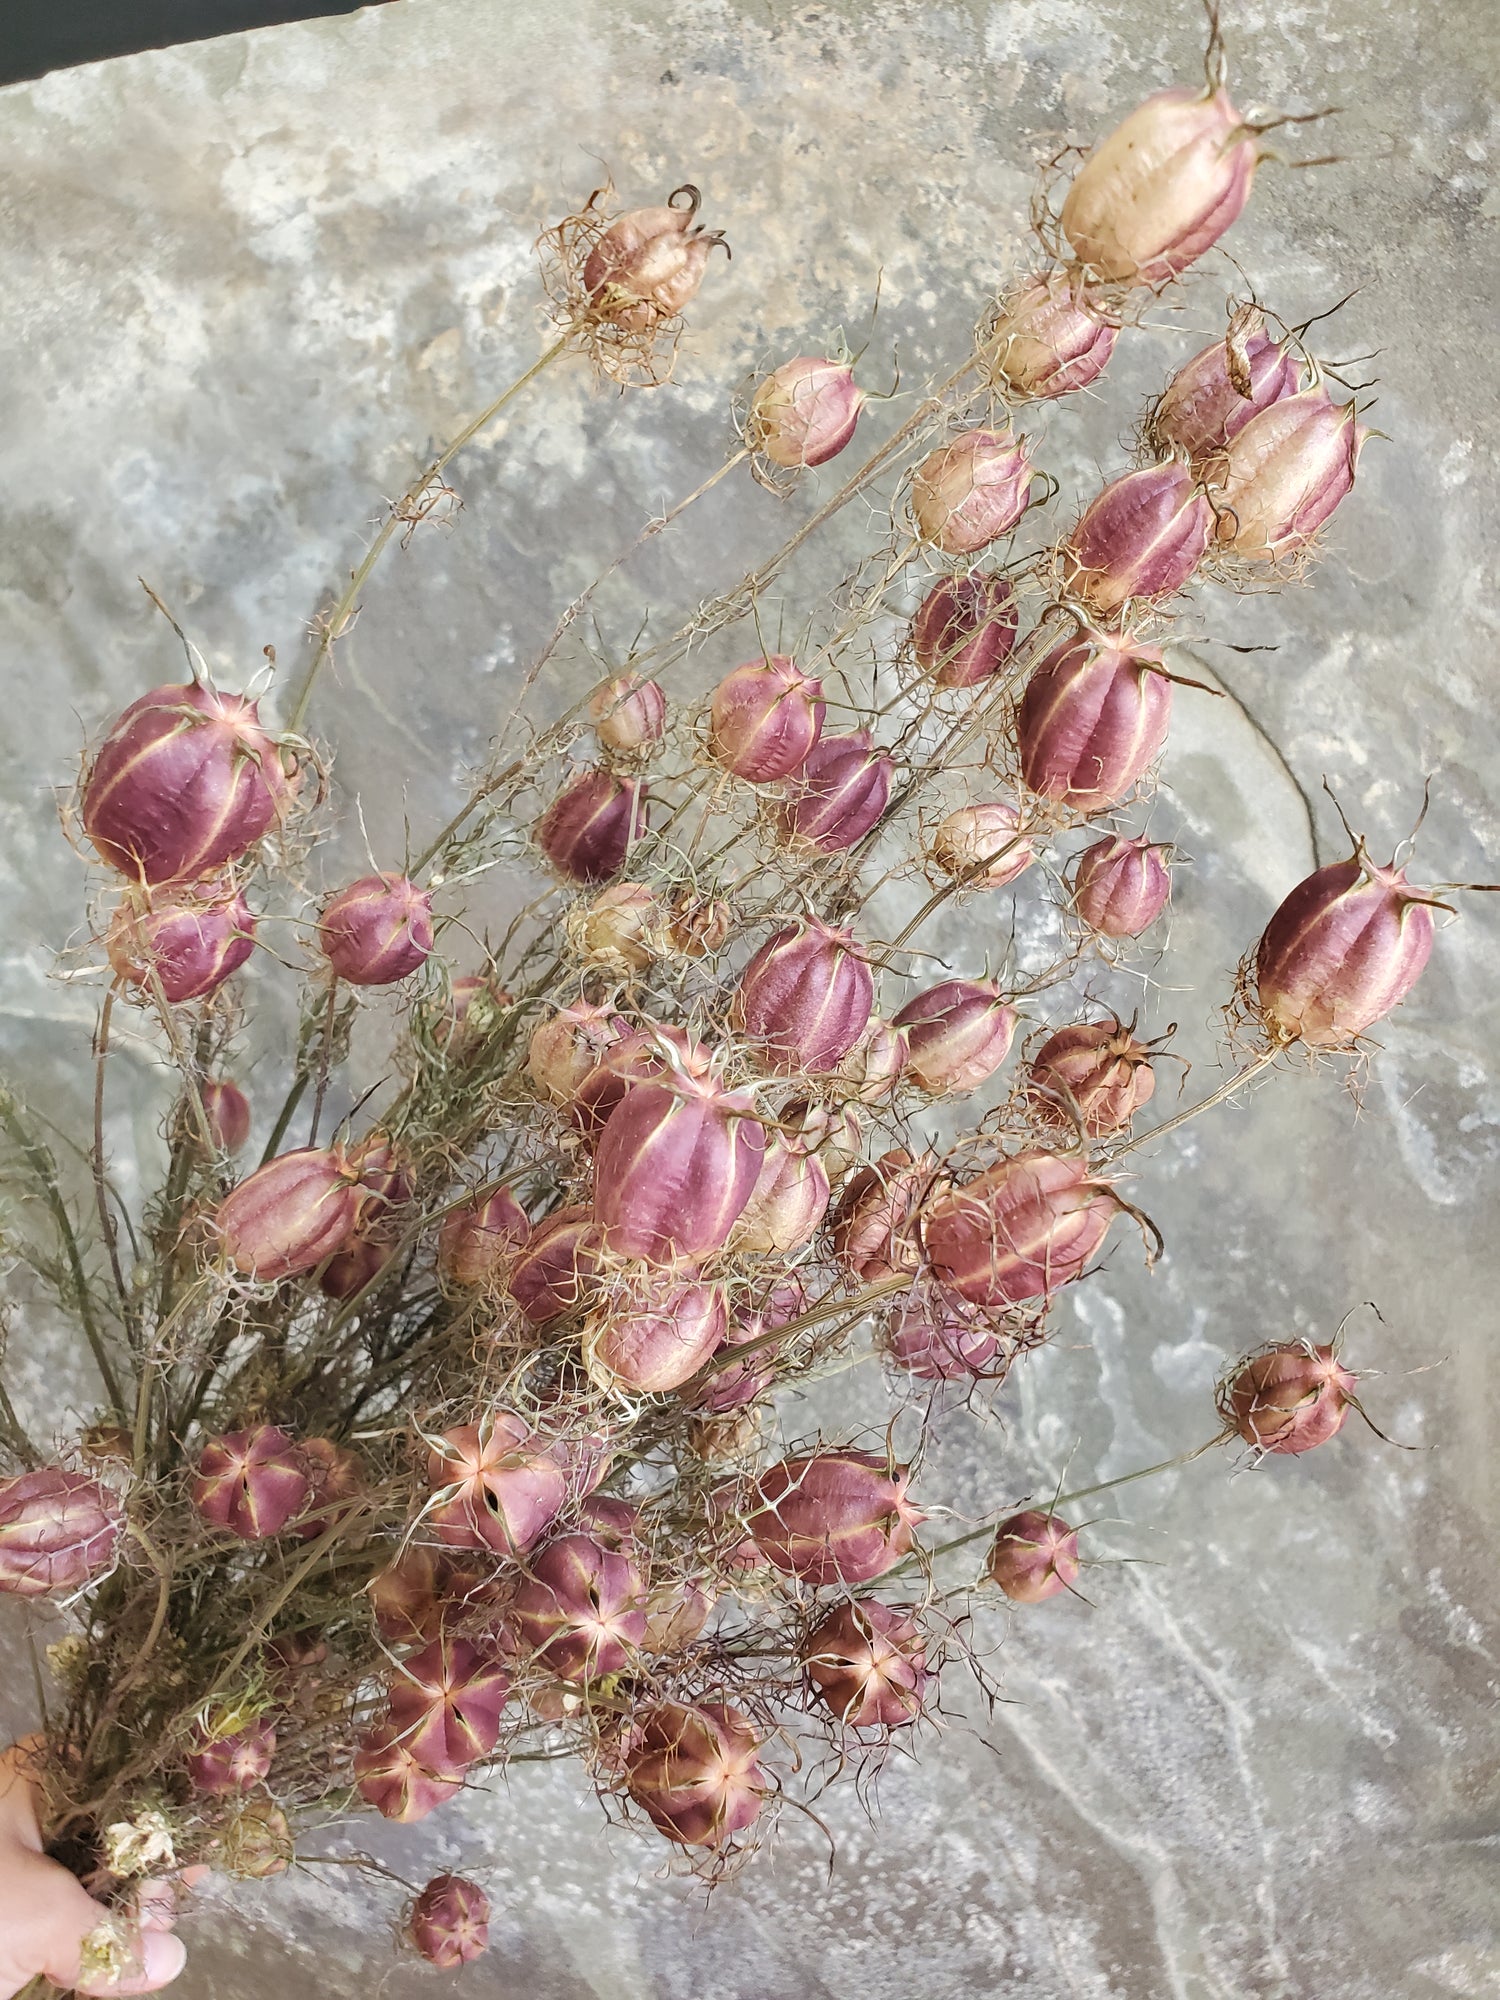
x: 40, y: 35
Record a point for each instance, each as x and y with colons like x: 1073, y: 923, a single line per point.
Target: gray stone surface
x: 249, y: 282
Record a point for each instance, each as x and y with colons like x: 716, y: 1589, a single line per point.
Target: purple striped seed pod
x: 1034, y: 1556
x: 1046, y: 342
x: 676, y: 1164
x: 192, y: 944
x: 958, y: 1033
x: 875, y: 1226
x: 872, y: 1069
x: 589, y: 828
x: 1092, y: 1078
x: 1211, y: 398
x: 554, y: 1270
x: 478, y: 1240
x: 185, y: 782
x: 1092, y: 720
x: 970, y: 491
x: 638, y: 1056
x: 1344, y: 948
x: 567, y: 1046
x: 649, y: 263
x: 58, y: 1531
x: 765, y: 718
x: 933, y: 1339
x: 446, y: 1700
x: 840, y: 793
x: 500, y: 1484
x: 1141, y: 537
x: 805, y: 998
x: 223, y: 1765
x: 965, y: 628
x: 867, y: 1662
x: 227, y: 1110
x: 581, y: 1607
x: 628, y: 712
x: 694, y: 1772
x: 252, y: 1483
x: 1278, y: 481
x: 834, y: 1516
x: 338, y: 1481
x: 286, y: 1217
x: 450, y: 1921
x: 732, y: 1387
x: 1289, y: 1398
x: 1161, y: 188
x: 982, y: 846
x: 1120, y: 886
x: 804, y: 412
x: 1018, y: 1231
x: 358, y: 1264
x: 788, y: 1203
x: 655, y: 1335
x: 388, y: 1777
x: 377, y: 931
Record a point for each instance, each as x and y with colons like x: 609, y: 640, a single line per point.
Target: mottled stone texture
x: 248, y: 283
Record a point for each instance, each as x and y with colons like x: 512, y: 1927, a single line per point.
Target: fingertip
x: 162, y: 1957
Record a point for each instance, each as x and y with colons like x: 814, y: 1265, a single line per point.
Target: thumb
x: 92, y: 1950
x: 153, y: 1958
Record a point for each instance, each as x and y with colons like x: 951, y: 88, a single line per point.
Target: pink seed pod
x: 478, y: 1240
x: 676, y: 1612
x: 475, y: 1004
x: 874, y: 1229
x: 935, y: 1340
x: 867, y: 1662
x: 192, y: 944
x: 1141, y: 537
x: 873, y: 1067
x: 58, y: 1531
x: 1120, y: 886
x: 1161, y: 188
x: 388, y: 1777
x: 805, y: 997
x: 376, y: 931
x: 581, y: 1608
x: 1092, y: 1078
x: 655, y: 1335
x: 1345, y: 947
x: 502, y: 1484
x: 252, y: 1483
x: 1034, y: 1556
x: 958, y: 1033
x: 553, y: 1271
x: 982, y: 846
x: 1092, y: 720
x: 591, y: 825
x: 385, y: 1179
x: 338, y: 1480
x: 834, y: 1516
x: 1281, y: 477
x: 649, y: 263
x: 1288, y: 1398
x: 358, y: 1264
x: 227, y: 1110
x: 1046, y: 342
x: 621, y: 930
x: 1018, y: 1231
x: 741, y: 1382
x: 677, y: 1162
x: 236, y: 1763
x: 839, y: 794
x: 835, y: 1132
x: 765, y: 718
x: 695, y: 1772
x: 970, y: 491
x: 628, y: 712
x: 788, y: 1203
x: 565, y: 1048
x: 290, y: 1214
x: 1211, y: 398
x: 185, y: 781
x: 965, y: 628
x: 637, y: 1057
x: 446, y: 1701
x: 406, y: 1597
x: 804, y: 412
x: 450, y: 1921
